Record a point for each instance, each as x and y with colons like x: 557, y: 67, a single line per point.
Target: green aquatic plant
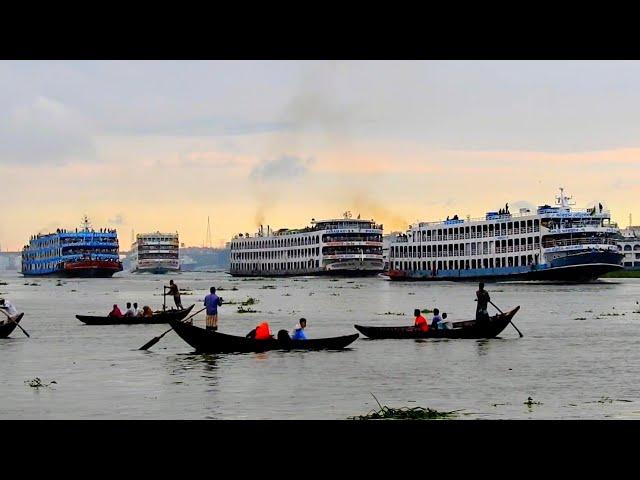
x: 530, y: 402
x: 392, y: 313
x: 249, y: 301
x: 241, y: 309
x: 37, y: 383
x: 426, y: 310
x: 580, y: 318
x: 4, y: 283
x: 265, y: 287
x: 404, y: 413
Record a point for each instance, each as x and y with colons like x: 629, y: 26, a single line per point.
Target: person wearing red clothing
x: 116, y: 312
x: 420, y: 322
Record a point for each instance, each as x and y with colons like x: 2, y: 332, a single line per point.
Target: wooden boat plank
x: 157, y: 318
x: 465, y: 329
x: 204, y: 341
x: 8, y: 327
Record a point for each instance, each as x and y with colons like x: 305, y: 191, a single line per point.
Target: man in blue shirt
x: 298, y: 331
x: 436, y: 318
x: 212, y: 302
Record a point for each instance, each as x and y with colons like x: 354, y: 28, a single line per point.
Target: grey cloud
x: 119, y: 219
x: 42, y: 131
x: 283, y: 168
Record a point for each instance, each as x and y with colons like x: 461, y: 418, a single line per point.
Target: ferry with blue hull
x: 554, y: 243
x: 80, y: 253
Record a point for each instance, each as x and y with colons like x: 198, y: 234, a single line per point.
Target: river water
x: 579, y: 356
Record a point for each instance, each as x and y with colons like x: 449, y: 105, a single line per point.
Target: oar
x: 155, y: 340
x: 24, y: 331
x: 519, y: 332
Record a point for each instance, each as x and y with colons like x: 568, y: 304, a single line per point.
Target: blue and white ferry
x: 552, y: 243
x: 80, y: 253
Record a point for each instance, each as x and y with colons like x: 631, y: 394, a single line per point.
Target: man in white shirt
x: 136, y: 311
x: 130, y: 311
x: 8, y: 308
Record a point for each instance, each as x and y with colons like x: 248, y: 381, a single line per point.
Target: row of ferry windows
x: 71, y: 251
x: 627, y: 248
x: 275, y: 267
x: 487, y: 230
x: 276, y: 242
x: 300, y: 241
x: 500, y: 262
x: 474, y: 248
x: 307, y: 252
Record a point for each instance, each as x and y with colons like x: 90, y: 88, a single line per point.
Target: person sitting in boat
x: 115, y: 312
x: 8, y: 308
x: 261, y: 332
x: 436, y: 319
x: 483, y: 299
x: 420, y: 322
x: 298, y: 330
x: 445, y: 324
x: 136, y: 311
x: 130, y: 312
x: 146, y: 311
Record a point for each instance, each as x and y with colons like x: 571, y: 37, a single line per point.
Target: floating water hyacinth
x: 37, y: 383
x: 404, y: 413
x: 241, y: 309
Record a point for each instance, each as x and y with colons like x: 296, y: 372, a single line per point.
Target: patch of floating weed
x: 241, y: 309
x: 404, y: 413
x: 265, y: 287
x: 288, y: 294
x: 37, y: 383
x: 4, y: 283
x: 392, y: 313
x: 580, y: 318
x: 426, y: 310
x: 607, y: 399
x: 249, y: 301
x: 530, y: 402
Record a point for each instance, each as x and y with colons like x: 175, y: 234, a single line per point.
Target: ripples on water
x: 574, y: 359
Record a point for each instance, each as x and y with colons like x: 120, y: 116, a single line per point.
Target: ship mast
x: 564, y: 201
x: 85, y: 224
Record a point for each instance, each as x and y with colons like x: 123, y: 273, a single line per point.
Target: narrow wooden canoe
x: 465, y: 329
x: 158, y: 317
x: 7, y: 327
x: 204, y: 341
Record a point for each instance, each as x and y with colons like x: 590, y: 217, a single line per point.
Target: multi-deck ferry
x: 552, y: 243
x: 156, y: 253
x: 343, y: 246
x: 80, y: 253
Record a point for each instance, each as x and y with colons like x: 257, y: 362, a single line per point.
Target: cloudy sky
x: 145, y: 146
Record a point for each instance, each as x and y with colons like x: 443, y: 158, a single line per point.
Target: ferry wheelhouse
x: 345, y: 246
x: 552, y: 243
x: 156, y: 253
x: 80, y: 253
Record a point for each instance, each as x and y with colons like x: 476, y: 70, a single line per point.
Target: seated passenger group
x: 262, y: 332
x: 131, y: 311
x: 437, y: 322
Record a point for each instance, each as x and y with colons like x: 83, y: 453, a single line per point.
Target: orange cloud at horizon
x: 394, y: 183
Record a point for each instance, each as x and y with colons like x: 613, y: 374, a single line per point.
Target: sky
x: 142, y: 146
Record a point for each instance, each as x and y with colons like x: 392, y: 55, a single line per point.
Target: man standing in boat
x: 212, y: 302
x: 483, y: 299
x: 175, y: 291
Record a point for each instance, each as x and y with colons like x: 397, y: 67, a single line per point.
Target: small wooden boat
x: 204, y: 341
x: 9, y: 326
x: 465, y: 329
x: 158, y: 317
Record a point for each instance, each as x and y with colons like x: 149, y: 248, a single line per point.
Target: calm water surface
x: 579, y: 355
